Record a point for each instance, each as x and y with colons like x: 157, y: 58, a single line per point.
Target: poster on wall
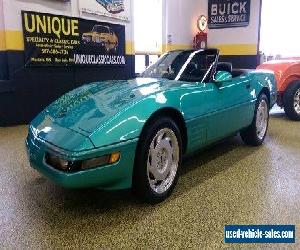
x: 118, y: 9
x: 228, y: 13
x: 54, y: 40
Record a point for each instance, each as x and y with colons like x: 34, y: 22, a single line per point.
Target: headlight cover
x: 74, y: 166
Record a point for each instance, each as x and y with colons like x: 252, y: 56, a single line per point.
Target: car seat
x: 224, y: 66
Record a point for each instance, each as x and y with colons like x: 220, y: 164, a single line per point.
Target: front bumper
x: 112, y: 177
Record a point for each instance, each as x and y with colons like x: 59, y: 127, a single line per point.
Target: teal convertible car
x: 134, y: 133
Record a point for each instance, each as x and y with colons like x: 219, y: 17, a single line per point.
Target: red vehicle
x: 287, y: 74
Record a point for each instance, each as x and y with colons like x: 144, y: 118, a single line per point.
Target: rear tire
x: 255, y: 134
x: 291, y: 101
x: 157, y: 160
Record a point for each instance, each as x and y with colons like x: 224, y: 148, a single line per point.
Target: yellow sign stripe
x: 169, y: 47
x: 225, y: 49
x: 236, y: 49
x: 129, y: 48
x: 11, y: 40
x: 2, y: 40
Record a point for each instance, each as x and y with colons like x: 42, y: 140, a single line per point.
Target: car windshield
x: 100, y: 29
x: 191, y: 65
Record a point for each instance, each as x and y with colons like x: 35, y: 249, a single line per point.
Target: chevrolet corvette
x: 134, y: 133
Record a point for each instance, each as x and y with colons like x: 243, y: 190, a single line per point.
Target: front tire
x: 291, y: 100
x: 255, y: 134
x: 157, y: 161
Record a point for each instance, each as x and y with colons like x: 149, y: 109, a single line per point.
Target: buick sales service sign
x: 228, y: 13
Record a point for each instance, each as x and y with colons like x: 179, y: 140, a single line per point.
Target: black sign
x: 228, y: 13
x: 53, y: 40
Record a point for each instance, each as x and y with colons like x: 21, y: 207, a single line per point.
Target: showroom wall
x: 178, y: 27
x: 24, y: 91
x: 237, y: 45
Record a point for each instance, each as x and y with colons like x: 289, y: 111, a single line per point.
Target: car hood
x: 87, y: 108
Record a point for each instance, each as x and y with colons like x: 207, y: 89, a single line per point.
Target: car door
x: 193, y: 102
x: 193, y: 105
x: 229, y: 107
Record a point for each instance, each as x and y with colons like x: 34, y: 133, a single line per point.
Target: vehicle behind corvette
x: 134, y: 133
x: 287, y: 73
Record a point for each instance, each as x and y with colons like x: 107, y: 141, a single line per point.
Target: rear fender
x: 287, y: 81
x: 264, y: 80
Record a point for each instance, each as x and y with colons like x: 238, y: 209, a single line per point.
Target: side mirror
x: 222, y: 76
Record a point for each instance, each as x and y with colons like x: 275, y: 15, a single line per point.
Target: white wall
x: 180, y: 22
x: 12, y: 10
x: 1, y: 16
x: 148, y: 25
x: 279, y: 28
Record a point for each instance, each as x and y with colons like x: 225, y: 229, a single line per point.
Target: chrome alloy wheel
x: 163, y: 160
x: 297, y: 101
x: 262, y: 119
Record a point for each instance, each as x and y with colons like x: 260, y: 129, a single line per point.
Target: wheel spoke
x: 153, y: 182
x: 152, y: 150
x: 159, y: 138
x: 154, y: 171
x: 152, y: 165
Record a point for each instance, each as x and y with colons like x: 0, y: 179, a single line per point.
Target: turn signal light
x: 114, y: 157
